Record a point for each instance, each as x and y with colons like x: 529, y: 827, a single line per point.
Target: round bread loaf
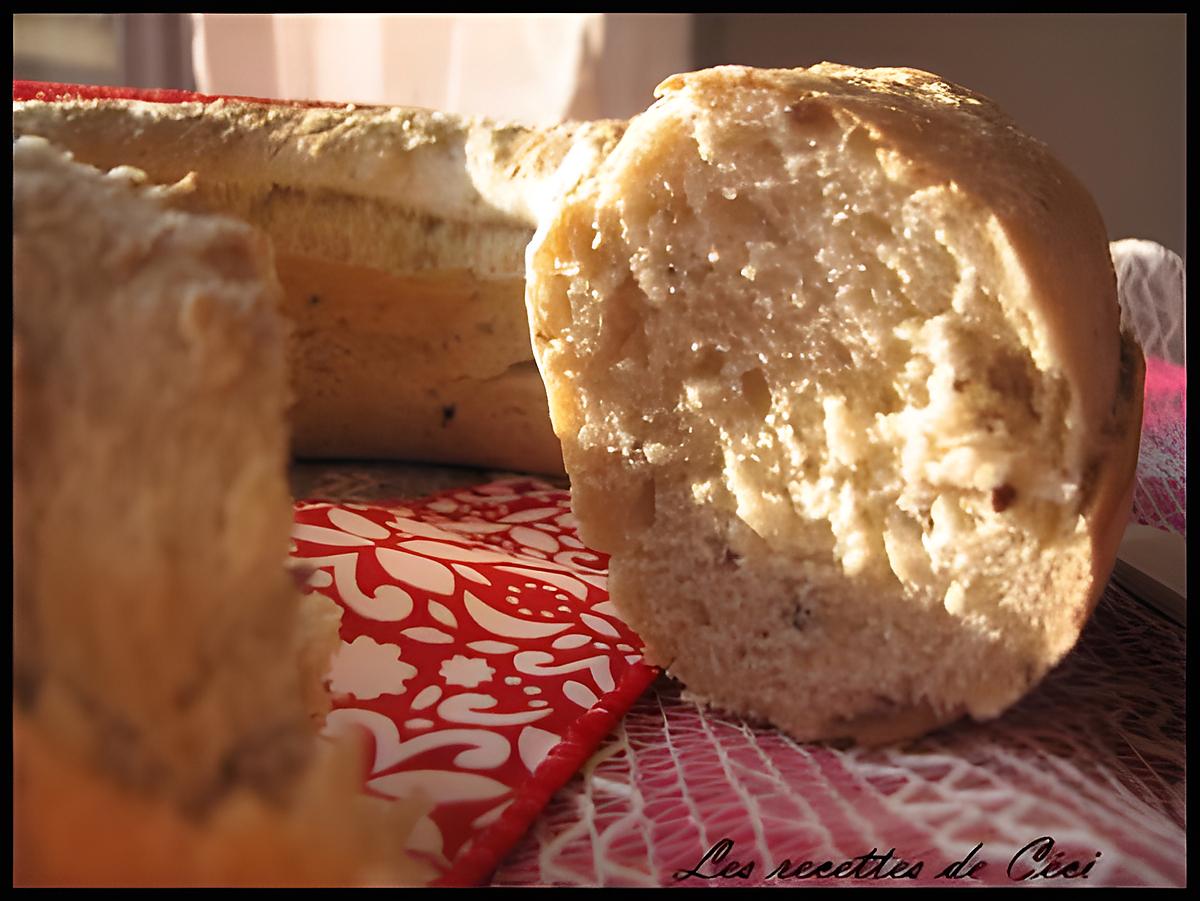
x: 836, y: 362
x: 399, y: 237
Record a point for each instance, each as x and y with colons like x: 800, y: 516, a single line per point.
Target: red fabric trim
x: 53, y: 90
x: 583, y: 736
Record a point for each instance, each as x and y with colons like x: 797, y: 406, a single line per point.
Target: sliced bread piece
x: 835, y: 358
x: 167, y: 672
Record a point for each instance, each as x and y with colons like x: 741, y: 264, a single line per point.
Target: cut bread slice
x: 399, y: 237
x: 167, y: 672
x: 835, y: 358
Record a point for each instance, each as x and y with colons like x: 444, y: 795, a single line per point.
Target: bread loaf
x: 167, y: 673
x: 835, y: 359
x: 399, y: 237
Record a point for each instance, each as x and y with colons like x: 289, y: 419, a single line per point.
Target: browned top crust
x: 422, y: 182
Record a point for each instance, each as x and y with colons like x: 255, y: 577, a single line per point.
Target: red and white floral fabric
x: 479, y: 650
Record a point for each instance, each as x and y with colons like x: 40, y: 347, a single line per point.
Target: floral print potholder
x: 479, y: 651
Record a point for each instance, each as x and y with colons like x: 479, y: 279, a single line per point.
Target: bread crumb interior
x: 802, y: 355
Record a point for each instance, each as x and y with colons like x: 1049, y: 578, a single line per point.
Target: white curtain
x: 529, y: 68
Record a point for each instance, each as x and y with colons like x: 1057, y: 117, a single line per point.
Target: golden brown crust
x: 444, y: 353
x: 1108, y: 514
x: 429, y: 167
x: 398, y: 232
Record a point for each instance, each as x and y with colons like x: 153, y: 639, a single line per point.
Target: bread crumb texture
x: 834, y: 354
x: 166, y: 670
